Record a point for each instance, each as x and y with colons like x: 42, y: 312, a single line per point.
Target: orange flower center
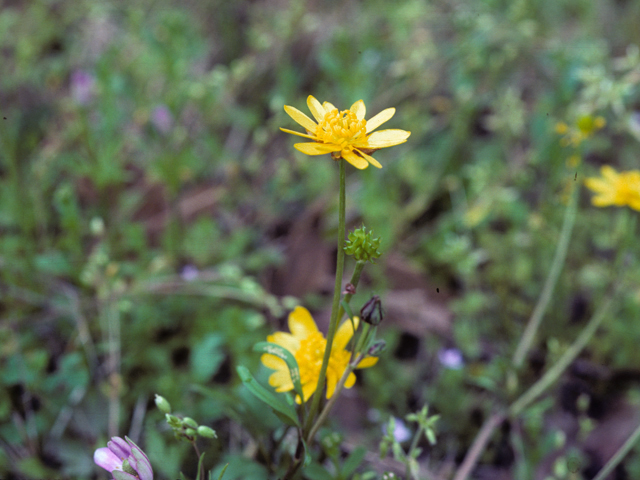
x: 341, y: 128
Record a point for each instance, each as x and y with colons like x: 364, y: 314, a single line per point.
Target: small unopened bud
x: 377, y: 348
x: 163, y: 405
x: 190, y: 422
x: 190, y: 432
x: 207, y: 432
x: 371, y: 312
x: 173, y: 421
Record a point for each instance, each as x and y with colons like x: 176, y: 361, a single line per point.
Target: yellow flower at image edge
x: 613, y: 188
x: 307, y: 344
x: 345, y: 133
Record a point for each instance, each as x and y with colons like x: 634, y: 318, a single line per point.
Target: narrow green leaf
x: 353, y: 461
x: 287, y: 356
x: 267, y: 396
x: 200, y: 466
x: 224, y: 469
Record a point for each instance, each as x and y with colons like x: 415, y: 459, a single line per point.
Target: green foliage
x: 147, y: 198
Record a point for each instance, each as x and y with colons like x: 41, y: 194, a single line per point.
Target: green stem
x: 355, y: 279
x: 619, y: 455
x: 535, y: 390
x: 327, y: 408
x: 550, y: 283
x: 335, y: 307
x: 414, y: 444
x: 567, y: 358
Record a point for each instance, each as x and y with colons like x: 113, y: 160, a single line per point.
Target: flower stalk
x: 335, y: 306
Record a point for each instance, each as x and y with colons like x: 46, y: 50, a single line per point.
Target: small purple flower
x: 162, y: 119
x: 124, y: 460
x: 189, y: 273
x: 400, y: 431
x: 82, y: 87
x: 451, y: 358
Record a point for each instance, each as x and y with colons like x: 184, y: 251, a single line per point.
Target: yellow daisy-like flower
x: 345, y: 133
x: 307, y: 345
x: 613, y: 188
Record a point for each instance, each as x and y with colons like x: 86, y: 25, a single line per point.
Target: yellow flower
x: 307, y: 345
x: 345, y: 134
x: 613, y: 188
x: 585, y: 127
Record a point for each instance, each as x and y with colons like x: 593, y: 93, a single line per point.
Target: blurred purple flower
x: 82, y: 87
x: 400, y: 431
x: 451, y: 358
x: 124, y: 460
x: 189, y: 273
x: 162, y: 119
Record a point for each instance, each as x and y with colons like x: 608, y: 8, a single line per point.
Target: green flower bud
x: 371, y: 312
x: 190, y: 432
x: 362, y: 246
x: 377, y: 348
x: 162, y: 404
x: 207, y: 432
x: 190, y: 422
x: 173, y: 421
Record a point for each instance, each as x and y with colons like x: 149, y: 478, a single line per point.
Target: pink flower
x: 124, y: 460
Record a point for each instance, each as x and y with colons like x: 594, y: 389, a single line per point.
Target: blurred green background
x: 155, y: 223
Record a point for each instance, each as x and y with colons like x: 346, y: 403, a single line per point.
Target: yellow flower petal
x: 316, y: 148
x: 387, y: 138
x: 344, y: 334
x: 316, y: 108
x: 286, y: 130
x: 328, y: 106
x: 285, y: 340
x: 301, y: 118
x: 351, y: 380
x: 301, y: 323
x: 281, y: 381
x: 355, y: 160
x: 307, y: 391
x: 273, y: 362
x: 379, y: 119
x: 369, y: 159
x: 367, y: 362
x: 609, y: 173
x: 332, y: 381
x: 359, y: 109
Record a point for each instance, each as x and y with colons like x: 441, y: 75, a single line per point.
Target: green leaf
x: 224, y: 469
x: 352, y: 462
x: 200, y: 466
x: 207, y: 356
x: 287, y: 356
x: 268, y: 397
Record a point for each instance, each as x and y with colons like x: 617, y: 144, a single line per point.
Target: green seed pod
x: 207, y: 432
x: 163, y: 405
x: 173, y: 421
x: 190, y: 422
x: 362, y: 246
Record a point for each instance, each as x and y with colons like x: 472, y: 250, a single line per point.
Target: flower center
x: 341, y: 128
x: 309, y: 357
